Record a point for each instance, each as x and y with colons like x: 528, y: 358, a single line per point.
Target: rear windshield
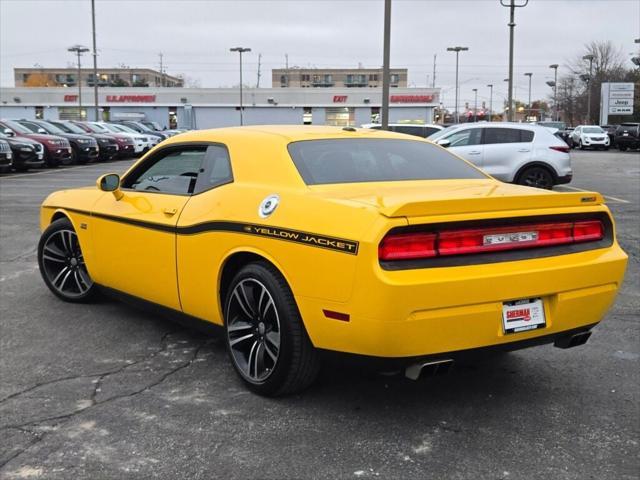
x: 375, y: 160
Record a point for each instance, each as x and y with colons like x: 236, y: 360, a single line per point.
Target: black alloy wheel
x: 62, y: 264
x: 265, y: 336
x: 538, y: 177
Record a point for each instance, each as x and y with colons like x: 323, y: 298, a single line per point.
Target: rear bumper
x: 629, y: 142
x: 564, y: 179
x: 435, y: 311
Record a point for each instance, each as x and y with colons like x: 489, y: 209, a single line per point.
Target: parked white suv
x: 417, y: 129
x: 584, y: 136
x: 512, y: 152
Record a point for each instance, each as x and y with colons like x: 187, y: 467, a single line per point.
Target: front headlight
x: 26, y: 148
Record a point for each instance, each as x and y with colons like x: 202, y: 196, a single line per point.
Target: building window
x: 375, y: 114
x: 395, y: 78
x: 39, y: 113
x: 340, y: 117
x: 305, y: 77
x: 373, y: 77
x: 284, y: 81
x: 307, y: 116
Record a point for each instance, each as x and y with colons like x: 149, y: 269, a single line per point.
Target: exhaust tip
x: 571, y: 341
x: 428, y: 369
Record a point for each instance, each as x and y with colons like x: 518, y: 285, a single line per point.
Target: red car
x: 126, y: 145
x: 57, y: 150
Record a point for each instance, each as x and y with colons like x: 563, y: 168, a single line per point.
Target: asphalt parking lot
x: 109, y: 391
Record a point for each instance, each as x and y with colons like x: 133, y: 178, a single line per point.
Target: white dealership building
x: 219, y: 107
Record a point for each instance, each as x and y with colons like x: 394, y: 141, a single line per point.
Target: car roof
x: 501, y: 125
x: 371, y: 125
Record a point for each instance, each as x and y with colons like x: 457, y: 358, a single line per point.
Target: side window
x: 174, y: 171
x: 505, y: 135
x: 526, y: 136
x: 430, y: 131
x: 464, y: 138
x: 216, y: 169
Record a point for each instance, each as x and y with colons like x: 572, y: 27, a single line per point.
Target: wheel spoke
x: 239, y: 325
x: 240, y: 339
x: 63, y: 271
x: 54, y: 253
x: 267, y: 349
x: 273, y: 338
x: 241, y: 303
x: 253, y: 359
x: 77, y: 279
x: 249, y: 305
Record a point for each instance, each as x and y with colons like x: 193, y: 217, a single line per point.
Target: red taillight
x: 560, y: 148
x: 405, y: 246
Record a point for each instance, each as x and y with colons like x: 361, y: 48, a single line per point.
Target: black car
x: 611, y: 131
x: 108, y: 146
x: 142, y: 128
x: 84, y: 148
x: 627, y: 136
x: 26, y: 153
x: 6, y: 156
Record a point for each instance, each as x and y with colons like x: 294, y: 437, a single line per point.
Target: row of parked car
x: 625, y: 136
x: 26, y: 144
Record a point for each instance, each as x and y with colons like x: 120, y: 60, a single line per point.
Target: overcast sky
x: 195, y: 37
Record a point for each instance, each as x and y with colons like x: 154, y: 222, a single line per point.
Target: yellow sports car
x: 302, y: 239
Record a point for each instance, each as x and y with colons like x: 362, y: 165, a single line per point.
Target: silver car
x: 512, y: 152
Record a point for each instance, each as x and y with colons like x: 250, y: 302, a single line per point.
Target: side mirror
x: 9, y: 133
x: 110, y: 182
x: 42, y: 130
x: 443, y: 142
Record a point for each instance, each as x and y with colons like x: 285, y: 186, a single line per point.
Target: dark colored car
x: 126, y: 145
x: 627, y: 136
x: 84, y: 147
x: 57, y: 150
x: 142, y: 128
x: 27, y: 153
x: 108, y: 146
x: 6, y: 156
x: 611, y: 132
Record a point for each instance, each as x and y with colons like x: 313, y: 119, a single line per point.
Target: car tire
x: 21, y: 168
x: 580, y: 146
x: 265, y: 336
x: 622, y: 149
x: 75, y: 158
x: 536, y: 176
x: 62, y: 264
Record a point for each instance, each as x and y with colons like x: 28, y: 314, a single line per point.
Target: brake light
x: 407, y: 246
x: 560, y: 148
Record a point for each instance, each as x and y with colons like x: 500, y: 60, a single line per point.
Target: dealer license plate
x: 523, y: 315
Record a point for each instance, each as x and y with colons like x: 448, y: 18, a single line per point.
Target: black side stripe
x: 277, y: 233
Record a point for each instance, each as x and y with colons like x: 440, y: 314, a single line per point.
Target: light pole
x: 386, y: 69
x: 79, y: 50
x: 240, y: 50
x: 95, y: 60
x: 457, y: 50
x: 490, y: 101
x: 475, y: 105
x: 529, y: 74
x: 590, y: 58
x: 512, y: 7
x: 555, y: 90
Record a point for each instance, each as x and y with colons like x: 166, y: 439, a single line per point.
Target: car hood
x: 18, y: 139
x: 445, y: 197
x: 76, y: 136
x: 40, y: 137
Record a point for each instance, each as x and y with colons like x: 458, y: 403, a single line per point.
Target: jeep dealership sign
x: 615, y: 99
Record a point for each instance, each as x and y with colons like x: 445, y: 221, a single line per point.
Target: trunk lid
x: 447, y: 197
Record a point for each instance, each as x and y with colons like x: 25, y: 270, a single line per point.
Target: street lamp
x: 457, y: 50
x: 555, y: 90
x: 79, y: 50
x: 512, y: 7
x: 590, y: 58
x: 529, y: 74
x: 386, y: 68
x: 490, y: 101
x: 240, y: 50
x: 475, y: 105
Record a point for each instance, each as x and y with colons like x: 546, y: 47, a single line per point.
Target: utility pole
x: 161, y: 70
x: 258, y: 81
x: 590, y: 58
x: 457, y: 50
x: 555, y: 90
x: 475, y: 105
x: 529, y: 74
x: 512, y: 10
x: 286, y: 62
x: 490, y: 101
x: 433, y: 82
x: 386, y: 54
x: 79, y: 50
x: 95, y: 60
x: 240, y: 50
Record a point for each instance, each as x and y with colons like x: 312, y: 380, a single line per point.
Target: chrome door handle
x: 524, y: 150
x: 475, y: 152
x: 169, y: 211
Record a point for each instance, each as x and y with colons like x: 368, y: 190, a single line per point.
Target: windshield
x: 153, y: 125
x: 442, y: 133
x: 49, y: 128
x: 16, y: 127
x: 140, y: 125
x: 592, y: 130
x: 124, y: 128
x: 376, y: 160
x: 94, y: 127
x: 558, y: 125
x: 69, y: 127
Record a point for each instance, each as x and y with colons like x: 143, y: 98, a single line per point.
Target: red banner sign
x: 131, y: 98
x: 411, y: 98
x: 339, y: 99
x: 71, y: 98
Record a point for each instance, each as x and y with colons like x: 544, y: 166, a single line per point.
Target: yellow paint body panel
x: 176, y: 260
